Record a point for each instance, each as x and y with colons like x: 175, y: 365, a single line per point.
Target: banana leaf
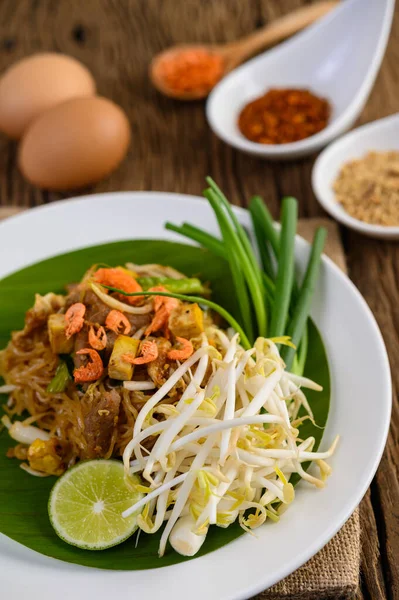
x: 23, y: 498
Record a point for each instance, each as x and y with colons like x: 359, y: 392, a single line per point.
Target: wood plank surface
x: 173, y: 150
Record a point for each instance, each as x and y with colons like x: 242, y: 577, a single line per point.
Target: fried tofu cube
x: 56, y: 330
x: 187, y: 321
x: 117, y: 367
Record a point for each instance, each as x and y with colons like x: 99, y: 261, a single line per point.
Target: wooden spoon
x: 235, y: 53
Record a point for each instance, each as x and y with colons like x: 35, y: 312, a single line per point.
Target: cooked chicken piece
x: 74, y: 294
x: 111, y: 338
x: 81, y: 341
x: 96, y: 310
x: 100, y: 421
x: 186, y: 321
x: 138, y: 321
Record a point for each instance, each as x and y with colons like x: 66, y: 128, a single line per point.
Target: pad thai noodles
x: 67, y: 367
x: 210, y: 427
x: 204, y: 413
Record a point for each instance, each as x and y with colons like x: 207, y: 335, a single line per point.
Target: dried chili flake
x: 191, y: 70
x: 282, y: 116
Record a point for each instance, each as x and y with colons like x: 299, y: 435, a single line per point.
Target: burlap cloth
x: 334, y: 571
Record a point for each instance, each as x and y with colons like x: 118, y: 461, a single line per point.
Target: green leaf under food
x: 23, y: 498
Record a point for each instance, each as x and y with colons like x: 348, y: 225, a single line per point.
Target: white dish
x: 248, y: 565
x: 381, y: 135
x: 337, y: 57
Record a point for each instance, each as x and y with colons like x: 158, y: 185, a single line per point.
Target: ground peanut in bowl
x: 368, y: 188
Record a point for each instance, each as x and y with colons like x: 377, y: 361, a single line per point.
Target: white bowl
x: 338, y: 58
x: 250, y: 564
x: 382, y: 135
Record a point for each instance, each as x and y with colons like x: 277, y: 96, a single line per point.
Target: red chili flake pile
x: 282, y: 116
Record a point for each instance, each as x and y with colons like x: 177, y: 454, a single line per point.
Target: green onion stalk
x: 270, y: 291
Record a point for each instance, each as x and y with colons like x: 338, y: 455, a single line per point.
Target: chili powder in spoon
x: 282, y: 116
x: 190, y: 70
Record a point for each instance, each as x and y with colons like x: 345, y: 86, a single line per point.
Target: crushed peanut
x: 368, y: 188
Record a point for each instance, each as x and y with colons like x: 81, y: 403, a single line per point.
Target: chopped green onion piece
x: 262, y: 243
x: 258, y: 208
x: 303, y: 350
x: 286, y: 264
x: 256, y: 290
x: 302, y: 309
x: 60, y: 379
x: 242, y: 294
x: 217, y: 247
x: 234, y: 257
x: 205, y: 239
x: 242, y: 236
x: 260, y: 213
x: 233, y: 242
x: 211, y: 239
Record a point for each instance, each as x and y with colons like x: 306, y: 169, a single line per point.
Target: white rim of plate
x: 348, y: 508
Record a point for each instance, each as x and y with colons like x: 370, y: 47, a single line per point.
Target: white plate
x: 379, y: 136
x: 338, y: 58
x: 360, y: 412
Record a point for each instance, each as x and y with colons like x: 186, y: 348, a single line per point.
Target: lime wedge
x: 87, y: 502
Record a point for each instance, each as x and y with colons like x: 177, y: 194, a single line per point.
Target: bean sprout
x: 229, y: 445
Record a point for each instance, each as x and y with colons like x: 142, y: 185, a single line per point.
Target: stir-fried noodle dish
x: 212, y: 429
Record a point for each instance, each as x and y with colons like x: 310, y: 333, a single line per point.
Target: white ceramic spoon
x: 338, y: 58
x: 382, y: 135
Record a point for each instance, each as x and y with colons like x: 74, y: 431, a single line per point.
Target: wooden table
x: 173, y: 150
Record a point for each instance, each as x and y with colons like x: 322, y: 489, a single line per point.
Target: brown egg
x: 74, y: 144
x: 37, y: 83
